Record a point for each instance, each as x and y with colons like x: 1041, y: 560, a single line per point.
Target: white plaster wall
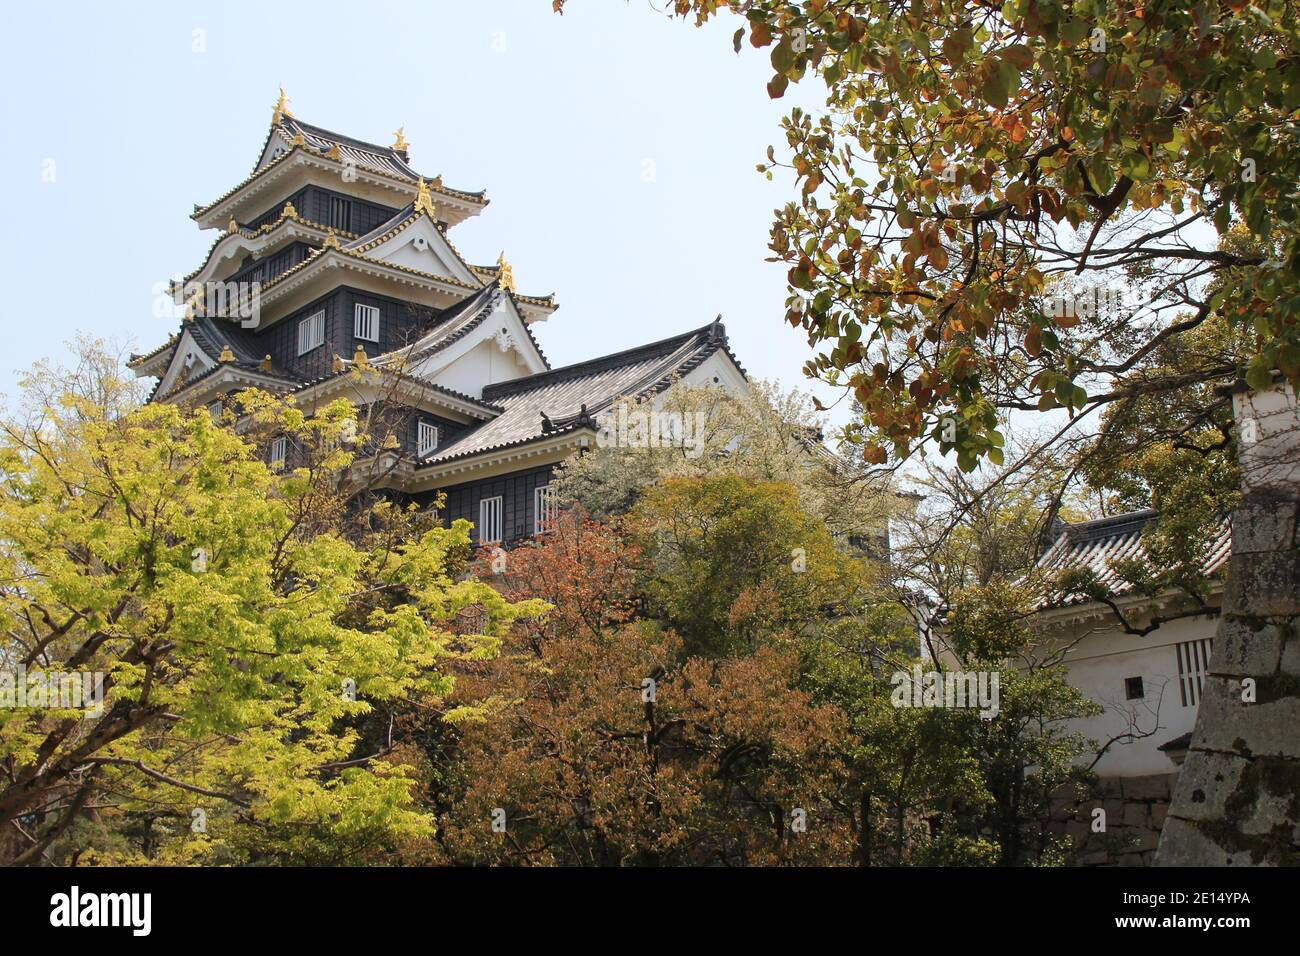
x: 485, y: 364
x: 410, y: 254
x: 718, y: 366
x: 421, y: 246
x: 1098, y: 666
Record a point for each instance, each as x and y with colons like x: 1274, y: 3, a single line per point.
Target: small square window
x: 1133, y: 688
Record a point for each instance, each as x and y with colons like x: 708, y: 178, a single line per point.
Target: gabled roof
x: 383, y: 161
x: 396, y: 224
x: 284, y: 221
x: 214, y: 335
x: 136, y: 359
x: 472, y: 406
x: 320, y: 259
x: 372, y: 156
x: 564, y: 399
x: 543, y: 302
x: 1099, y: 545
x: 452, y: 326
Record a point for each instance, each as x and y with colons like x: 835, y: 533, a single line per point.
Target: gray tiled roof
x: 529, y: 408
x: 456, y: 322
x: 370, y: 155
x: 383, y: 159
x: 565, y: 396
x: 212, y: 336
x: 1100, y: 544
x: 453, y: 325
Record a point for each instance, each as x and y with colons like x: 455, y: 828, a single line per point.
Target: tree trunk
x: 1237, y: 801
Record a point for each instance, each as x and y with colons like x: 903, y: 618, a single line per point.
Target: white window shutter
x: 426, y: 438
x: 544, y: 509
x: 489, y: 520
x: 366, y: 322
x: 311, y: 332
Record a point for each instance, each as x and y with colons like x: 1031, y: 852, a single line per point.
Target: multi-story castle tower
x: 335, y: 256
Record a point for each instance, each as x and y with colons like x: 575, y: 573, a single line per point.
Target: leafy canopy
x: 1006, y: 206
x: 245, y: 631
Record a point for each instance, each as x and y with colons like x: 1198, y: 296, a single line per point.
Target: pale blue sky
x: 561, y: 119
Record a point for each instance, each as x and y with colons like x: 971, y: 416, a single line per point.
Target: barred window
x: 489, y: 520
x: 340, y: 214
x: 545, y: 509
x: 426, y: 438
x: 311, y: 332
x: 366, y: 323
x: 1193, y: 660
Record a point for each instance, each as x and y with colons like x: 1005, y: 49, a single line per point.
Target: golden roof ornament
x: 333, y: 152
x: 232, y: 226
x: 266, y: 363
x: 505, y: 273
x: 331, y: 241
x: 299, y: 139
x: 288, y: 212
x: 424, y: 199
x: 359, y: 357
x: 193, y: 305
x: 399, y: 140
x: 226, y: 355
x: 337, y: 365
x: 390, y: 443
x: 281, y: 107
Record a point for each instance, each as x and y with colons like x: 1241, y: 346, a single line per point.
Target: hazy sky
x: 618, y: 148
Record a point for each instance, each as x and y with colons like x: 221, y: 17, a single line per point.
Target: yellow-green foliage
x: 228, y: 681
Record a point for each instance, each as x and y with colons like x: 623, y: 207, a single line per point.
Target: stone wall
x: 1237, y: 802
x: 1135, y: 809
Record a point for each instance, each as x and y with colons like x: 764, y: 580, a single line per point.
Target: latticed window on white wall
x: 311, y: 332
x: 366, y: 323
x: 489, y: 520
x: 1193, y: 661
x: 545, y: 509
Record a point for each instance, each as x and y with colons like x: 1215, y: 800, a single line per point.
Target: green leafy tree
x: 980, y: 164
x: 760, y: 434
x: 1023, y: 207
x: 242, y: 627
x: 733, y: 562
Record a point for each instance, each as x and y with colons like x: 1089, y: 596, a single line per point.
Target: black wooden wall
x: 399, y: 324
x: 329, y: 208
x: 516, y: 490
